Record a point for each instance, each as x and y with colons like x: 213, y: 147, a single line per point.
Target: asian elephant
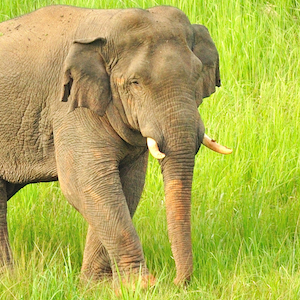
x: 82, y: 93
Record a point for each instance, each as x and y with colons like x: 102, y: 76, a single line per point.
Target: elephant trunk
x: 182, y: 134
x: 174, y: 139
x: 178, y: 175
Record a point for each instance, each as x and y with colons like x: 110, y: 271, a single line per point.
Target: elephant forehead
x: 172, y: 13
x: 138, y: 25
x: 135, y: 16
x: 144, y: 61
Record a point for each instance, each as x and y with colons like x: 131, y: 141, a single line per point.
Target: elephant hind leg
x: 5, y: 251
x: 96, y: 262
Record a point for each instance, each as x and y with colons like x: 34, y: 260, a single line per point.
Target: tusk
x: 153, y: 148
x: 213, y: 145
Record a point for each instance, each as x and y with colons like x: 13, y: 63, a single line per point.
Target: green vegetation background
x: 245, y: 207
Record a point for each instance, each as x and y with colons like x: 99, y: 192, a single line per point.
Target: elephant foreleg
x: 89, y: 170
x: 103, y: 205
x: 110, y: 223
x: 96, y: 262
x: 133, y: 179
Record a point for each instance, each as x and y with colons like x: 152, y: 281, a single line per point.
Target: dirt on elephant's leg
x: 5, y: 251
x: 96, y: 262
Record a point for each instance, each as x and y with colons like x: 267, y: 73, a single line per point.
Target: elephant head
x: 148, y: 71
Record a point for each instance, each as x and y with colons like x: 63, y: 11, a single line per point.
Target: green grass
x: 245, y: 207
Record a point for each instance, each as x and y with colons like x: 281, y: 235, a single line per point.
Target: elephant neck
x: 122, y: 128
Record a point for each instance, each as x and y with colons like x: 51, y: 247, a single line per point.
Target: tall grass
x: 245, y: 207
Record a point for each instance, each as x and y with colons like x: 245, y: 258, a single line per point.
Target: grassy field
x: 245, y: 207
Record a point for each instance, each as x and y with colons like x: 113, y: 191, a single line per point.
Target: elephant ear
x: 205, y: 49
x: 86, y: 82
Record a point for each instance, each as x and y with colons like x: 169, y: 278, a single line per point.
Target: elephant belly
x: 28, y: 171
x: 26, y: 143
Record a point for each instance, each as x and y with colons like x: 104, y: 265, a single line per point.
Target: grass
x: 245, y: 207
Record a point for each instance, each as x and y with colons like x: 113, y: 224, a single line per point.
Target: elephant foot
x: 182, y: 280
x: 96, y: 268
x: 96, y: 262
x: 6, y: 266
x: 91, y: 274
x: 6, y: 261
x: 135, y: 282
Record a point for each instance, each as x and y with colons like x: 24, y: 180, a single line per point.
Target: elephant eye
x: 135, y: 82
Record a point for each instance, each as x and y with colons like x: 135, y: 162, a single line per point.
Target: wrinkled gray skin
x: 80, y: 90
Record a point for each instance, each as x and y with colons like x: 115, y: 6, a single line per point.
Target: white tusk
x: 213, y: 145
x: 153, y: 148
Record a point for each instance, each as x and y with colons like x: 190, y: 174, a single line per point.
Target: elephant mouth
x: 207, y: 142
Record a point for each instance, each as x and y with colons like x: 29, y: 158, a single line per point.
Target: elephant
x: 85, y: 95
